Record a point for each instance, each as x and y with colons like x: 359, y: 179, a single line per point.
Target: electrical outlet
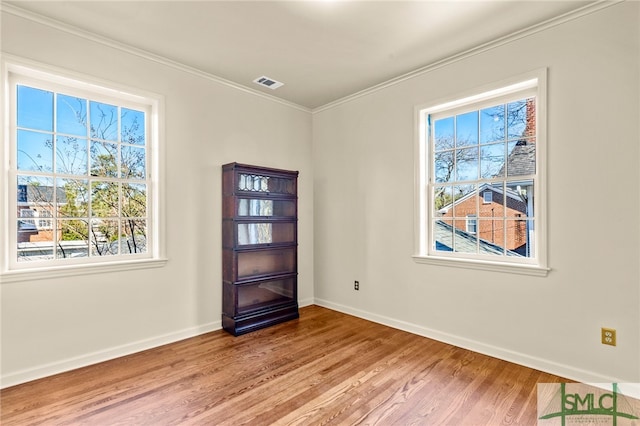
x: 608, y: 336
x: 356, y: 285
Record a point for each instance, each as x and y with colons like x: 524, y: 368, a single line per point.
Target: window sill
x: 511, y: 268
x: 78, y: 270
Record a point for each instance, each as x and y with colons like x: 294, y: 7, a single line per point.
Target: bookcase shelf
x: 259, y: 247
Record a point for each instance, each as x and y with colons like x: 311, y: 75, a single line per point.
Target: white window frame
x: 487, y: 197
x: 472, y: 222
x: 533, y: 84
x: 16, y: 71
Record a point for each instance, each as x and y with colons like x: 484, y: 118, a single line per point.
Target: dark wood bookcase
x: 259, y: 247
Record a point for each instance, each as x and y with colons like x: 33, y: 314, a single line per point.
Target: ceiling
x: 321, y: 50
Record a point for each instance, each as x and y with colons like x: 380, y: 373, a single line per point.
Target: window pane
x: 74, y: 239
x: 520, y: 202
x: 444, y: 166
x: 35, y: 108
x: 26, y: 229
x: 492, y: 124
x: 134, y: 236
x: 516, y: 118
x: 71, y: 155
x: 442, y: 201
x: 134, y: 200
x: 491, y: 234
x: 443, y: 235
x: 522, y: 158
x: 443, y: 133
x: 132, y: 127
x: 33, y: 245
x: 464, y: 241
x: 520, y: 207
x: 467, y: 164
x: 45, y: 218
x: 133, y: 162
x: 495, y: 207
x: 35, y: 231
x: 34, y: 192
x: 103, y: 159
x: 71, y: 115
x: 104, y: 121
x: 465, y: 197
x: 521, y: 236
x: 35, y: 151
x: 104, y: 199
x: 492, y: 161
x: 73, y: 197
x: 467, y: 129
x: 104, y: 236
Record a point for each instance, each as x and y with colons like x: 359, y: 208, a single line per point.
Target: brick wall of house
x: 490, y: 222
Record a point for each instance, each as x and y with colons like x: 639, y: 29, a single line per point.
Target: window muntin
x: 81, y: 174
x: 481, y: 177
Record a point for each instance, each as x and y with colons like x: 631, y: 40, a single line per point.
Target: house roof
x: 513, y: 195
x: 40, y: 194
x: 521, y: 160
x: 446, y: 234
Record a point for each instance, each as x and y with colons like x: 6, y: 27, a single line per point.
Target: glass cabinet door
x: 256, y: 296
x: 266, y: 184
x: 265, y: 233
x: 259, y: 207
x: 265, y: 262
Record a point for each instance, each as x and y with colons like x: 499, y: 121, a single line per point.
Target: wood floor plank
x: 326, y: 368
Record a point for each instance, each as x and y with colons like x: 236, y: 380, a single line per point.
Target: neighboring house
x: 488, y: 206
x: 35, y: 210
x: 464, y: 241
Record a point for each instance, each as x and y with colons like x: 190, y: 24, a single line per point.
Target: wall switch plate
x: 356, y: 285
x: 608, y: 336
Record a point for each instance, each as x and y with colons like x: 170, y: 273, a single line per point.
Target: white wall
x: 363, y: 153
x: 54, y: 324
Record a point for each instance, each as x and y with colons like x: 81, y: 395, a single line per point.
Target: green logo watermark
x: 580, y: 403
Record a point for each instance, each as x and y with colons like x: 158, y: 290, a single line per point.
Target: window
x: 481, y: 180
x: 472, y: 224
x: 82, y: 173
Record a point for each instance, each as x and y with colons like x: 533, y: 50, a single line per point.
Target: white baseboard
x: 45, y: 370
x: 305, y: 302
x: 541, y: 364
x: 50, y: 369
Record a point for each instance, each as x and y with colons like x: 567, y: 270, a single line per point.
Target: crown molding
x: 526, y: 32
x: 517, y: 35
x: 141, y: 53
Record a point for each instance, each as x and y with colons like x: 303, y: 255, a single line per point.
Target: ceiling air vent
x: 268, y: 82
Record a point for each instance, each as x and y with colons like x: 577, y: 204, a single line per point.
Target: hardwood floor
x: 325, y: 368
